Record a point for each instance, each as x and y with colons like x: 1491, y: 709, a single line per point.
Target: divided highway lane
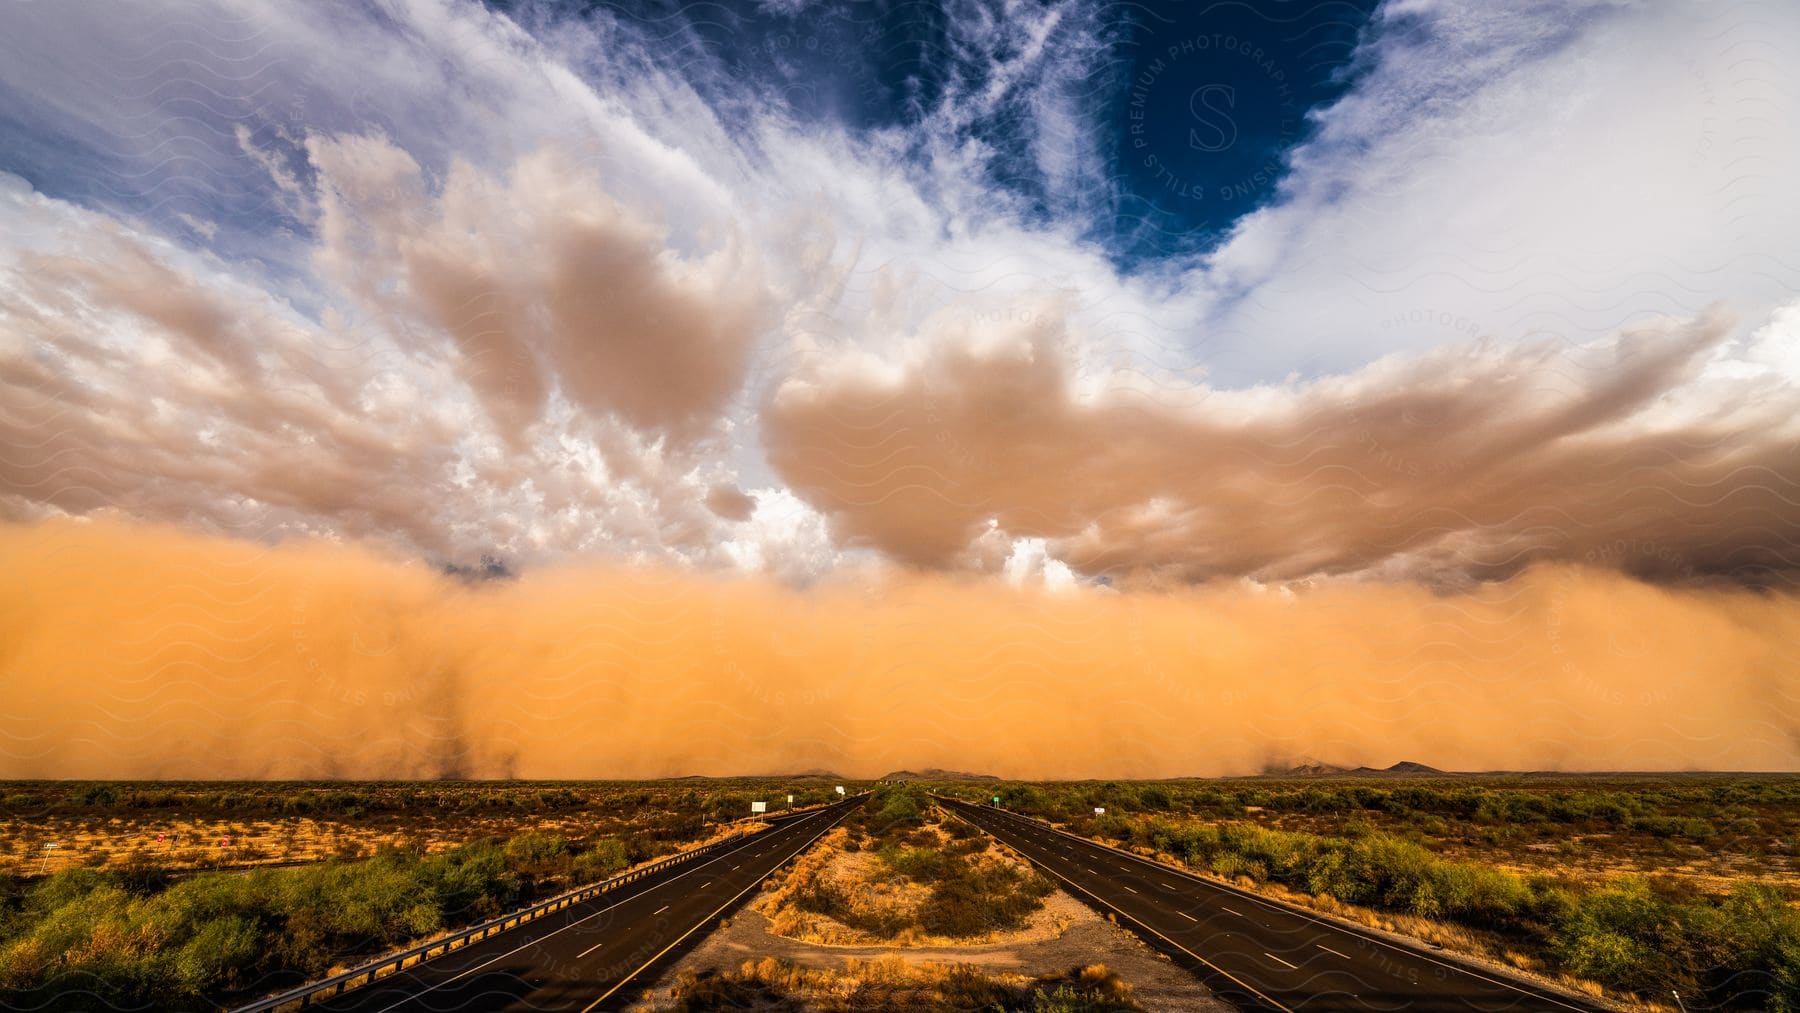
x: 1255, y: 953
x: 580, y: 959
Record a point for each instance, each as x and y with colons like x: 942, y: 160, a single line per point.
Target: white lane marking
x: 660, y: 910
x: 589, y: 950
x: 623, y: 981
x: 1455, y: 968
x: 1189, y: 917
x: 533, y: 942
x: 1280, y: 961
x: 1230, y: 911
x: 1128, y: 888
x: 1329, y: 950
x: 705, y: 884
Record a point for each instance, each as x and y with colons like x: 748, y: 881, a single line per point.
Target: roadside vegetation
x: 1628, y: 907
x: 890, y: 985
x: 164, y: 929
x: 894, y: 874
x: 222, y: 825
x: 83, y: 938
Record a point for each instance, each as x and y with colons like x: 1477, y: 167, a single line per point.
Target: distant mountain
x: 1403, y: 767
x: 935, y: 774
x: 1309, y: 767
x: 1305, y: 767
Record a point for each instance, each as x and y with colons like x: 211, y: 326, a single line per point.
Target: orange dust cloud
x: 144, y: 652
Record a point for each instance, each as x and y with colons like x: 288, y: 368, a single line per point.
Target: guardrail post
x: 337, y: 985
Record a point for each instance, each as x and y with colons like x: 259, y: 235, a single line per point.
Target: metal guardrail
x: 810, y: 807
x: 1418, y: 947
x: 338, y: 984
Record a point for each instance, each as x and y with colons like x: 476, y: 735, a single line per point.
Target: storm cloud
x: 1470, y: 462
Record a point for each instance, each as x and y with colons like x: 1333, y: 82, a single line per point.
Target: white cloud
x: 529, y: 290
x: 1031, y: 563
x: 783, y: 537
x: 1567, y: 171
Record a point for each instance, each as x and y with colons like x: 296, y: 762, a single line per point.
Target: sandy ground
x: 1086, y: 939
x: 201, y: 845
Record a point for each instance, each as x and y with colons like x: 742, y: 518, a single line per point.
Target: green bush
x: 1638, y: 935
x: 922, y: 865
x: 82, y: 936
x: 602, y: 859
x: 1068, y: 999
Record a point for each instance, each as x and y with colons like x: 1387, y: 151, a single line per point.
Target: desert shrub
x: 97, y: 795
x: 1650, y: 936
x: 922, y: 865
x: 823, y: 897
x: 1232, y: 866
x: 131, y: 938
x: 973, y: 898
x: 1153, y: 797
x: 1069, y: 999
x: 961, y: 831
x: 831, y: 899
x: 894, y: 809
x: 777, y: 985
x: 747, y: 989
x: 600, y: 859
x: 1685, y: 828
x: 533, y: 848
x: 1644, y: 936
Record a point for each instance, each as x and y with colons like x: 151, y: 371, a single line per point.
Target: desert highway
x: 581, y: 958
x: 1254, y: 953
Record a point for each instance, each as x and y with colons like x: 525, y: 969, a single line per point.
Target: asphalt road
x: 1254, y: 953
x: 581, y: 958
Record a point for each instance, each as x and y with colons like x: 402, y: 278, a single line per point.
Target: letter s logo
x: 1203, y: 101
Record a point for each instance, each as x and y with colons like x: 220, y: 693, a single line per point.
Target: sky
x: 841, y: 319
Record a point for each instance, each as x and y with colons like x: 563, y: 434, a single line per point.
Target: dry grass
x: 884, y: 904
x: 892, y: 985
x: 191, y: 844
x: 876, y: 895
x: 185, y: 827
